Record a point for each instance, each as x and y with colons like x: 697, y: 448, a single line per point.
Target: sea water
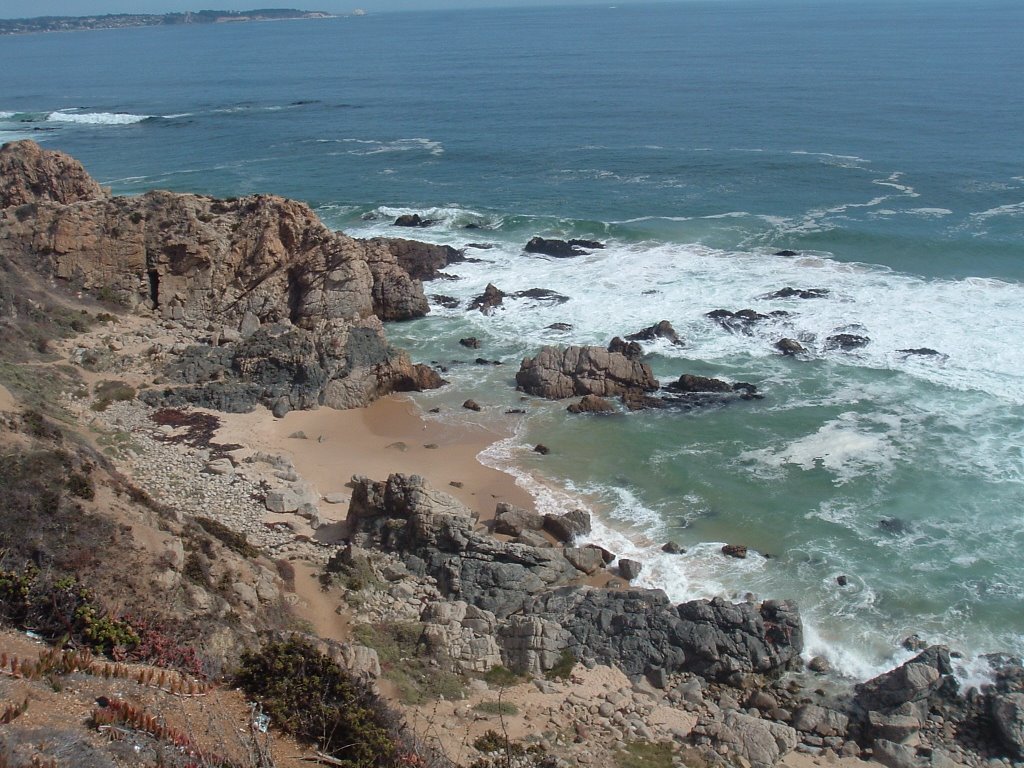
x: 880, y: 141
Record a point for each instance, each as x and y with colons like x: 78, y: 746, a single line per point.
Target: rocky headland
x: 504, y: 636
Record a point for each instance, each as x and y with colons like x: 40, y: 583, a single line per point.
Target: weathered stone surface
x: 29, y: 174
x: 557, y: 373
x: 629, y: 569
x: 735, y: 550
x: 761, y: 742
x: 512, y: 521
x: 798, y: 293
x: 435, y: 534
x: 591, y: 404
x: 244, y: 263
x: 412, y: 220
x: 1007, y: 713
x: 567, y: 527
x: 893, y: 755
x: 821, y: 721
x: 916, y: 681
x: 488, y: 300
x: 421, y: 261
x: 588, y: 559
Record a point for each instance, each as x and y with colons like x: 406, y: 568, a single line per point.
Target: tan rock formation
x: 236, y: 264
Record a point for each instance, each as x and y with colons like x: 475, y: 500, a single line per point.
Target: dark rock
x: 630, y: 349
x: 488, y: 300
x: 660, y: 330
x: 412, y: 220
x: 472, y: 225
x: 435, y: 535
x: 894, y: 526
x: 919, y: 680
x: 790, y: 347
x: 557, y: 373
x: 448, y: 302
x: 485, y: 361
x: 690, y: 383
x: 542, y: 449
x: 423, y: 261
x: 786, y: 253
x: 512, y: 411
x: 819, y: 664
x: 480, y: 246
x: 567, y: 527
x: 923, y: 351
x: 629, y: 569
x: 512, y: 521
x: 541, y: 294
x: 798, y: 293
x: 842, y: 580
x: 738, y: 322
x: 738, y: 551
x: 560, y: 248
x: 472, y: 342
x: 591, y: 404
x: 672, y: 548
x: 281, y: 407
x: 914, y: 643
x: 560, y: 327
x: 657, y: 677
x: 846, y: 341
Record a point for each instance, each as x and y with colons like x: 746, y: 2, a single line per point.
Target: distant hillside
x: 119, y: 20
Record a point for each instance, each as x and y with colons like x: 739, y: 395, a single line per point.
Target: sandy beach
x: 388, y: 436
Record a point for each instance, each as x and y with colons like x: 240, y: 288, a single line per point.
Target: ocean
x: 879, y: 141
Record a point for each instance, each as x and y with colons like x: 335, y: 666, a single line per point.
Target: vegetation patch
x: 306, y: 694
x: 108, y: 392
x: 563, y: 667
x: 231, y: 539
x: 501, y: 677
x: 645, y: 754
x: 405, y: 662
x: 503, y: 708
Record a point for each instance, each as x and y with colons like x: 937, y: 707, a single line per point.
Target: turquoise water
x: 879, y: 140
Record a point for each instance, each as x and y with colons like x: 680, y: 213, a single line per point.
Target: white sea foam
x: 846, y: 446
x: 96, y: 118
x: 376, y: 147
x: 1011, y: 209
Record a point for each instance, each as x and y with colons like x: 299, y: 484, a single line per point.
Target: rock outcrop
x: 561, y: 372
x: 560, y: 249
x: 660, y: 330
x: 421, y: 261
x: 228, y: 266
x: 29, y: 174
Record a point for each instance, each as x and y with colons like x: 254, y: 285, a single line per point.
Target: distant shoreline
x: 130, y: 20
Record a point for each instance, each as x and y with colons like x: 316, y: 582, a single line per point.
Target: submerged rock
x: 560, y: 248
x: 790, y: 347
x: 798, y: 293
x: 412, y: 220
x: 846, y: 341
x: 488, y: 300
x: 660, y: 330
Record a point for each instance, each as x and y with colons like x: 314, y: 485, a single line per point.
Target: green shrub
x: 308, y: 695
x: 563, y: 667
x: 108, y: 392
x: 501, y: 676
x: 81, y: 486
x: 504, y: 708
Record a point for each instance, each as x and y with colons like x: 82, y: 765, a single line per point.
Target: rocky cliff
x: 228, y: 267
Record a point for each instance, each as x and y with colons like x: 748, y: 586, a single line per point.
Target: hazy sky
x: 12, y: 9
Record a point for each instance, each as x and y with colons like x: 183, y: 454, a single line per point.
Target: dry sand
x: 7, y: 401
x: 388, y: 436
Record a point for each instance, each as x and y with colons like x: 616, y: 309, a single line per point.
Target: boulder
x: 560, y: 248
x: 283, y: 500
x: 820, y: 721
x: 512, y: 521
x: 672, y: 548
x: 543, y: 295
x: 846, y: 341
x: 629, y: 569
x: 588, y: 559
x: 690, y: 383
x: 470, y: 342
x: 735, y: 550
x: 798, y: 293
x: 761, y: 743
x: 1007, y: 713
x: 567, y: 527
x: 893, y: 755
x: 920, y: 680
x: 660, y: 330
x: 471, y: 405
x: 560, y: 372
x: 790, y: 347
x: 591, y: 404
x: 741, y: 321
x: 412, y: 220
x: 488, y: 300
x: 630, y: 349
